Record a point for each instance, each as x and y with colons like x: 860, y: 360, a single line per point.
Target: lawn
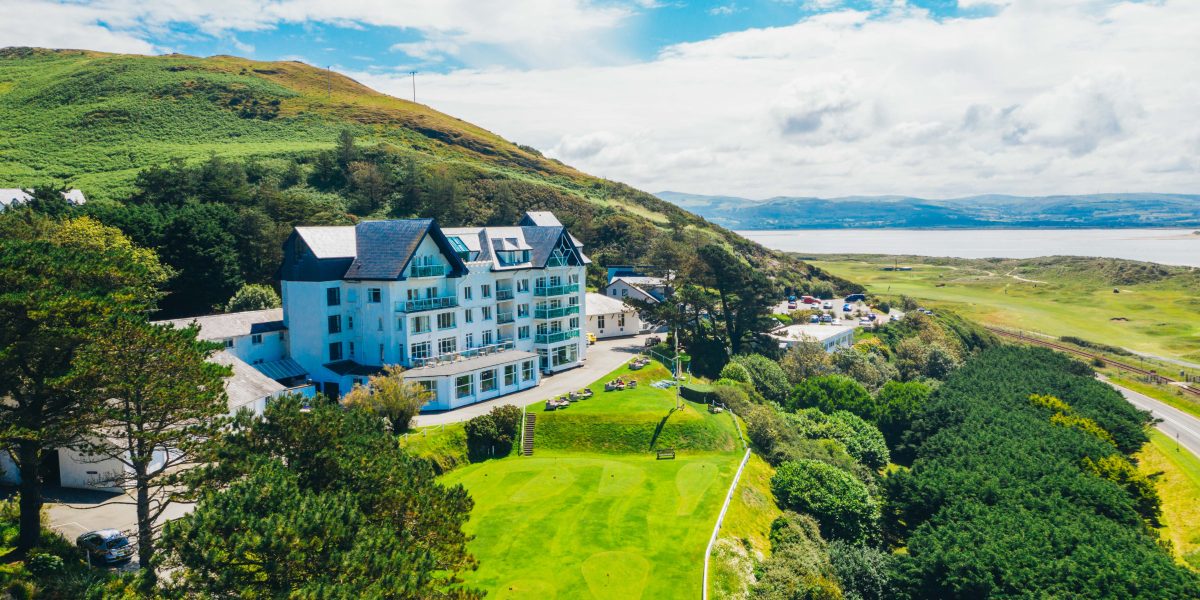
x: 1179, y: 488
x: 593, y: 513
x: 1154, y: 311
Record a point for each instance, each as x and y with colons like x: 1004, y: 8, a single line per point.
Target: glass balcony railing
x: 451, y: 357
x: 426, y: 304
x: 555, y: 337
x: 557, y: 260
x: 427, y: 271
x: 556, y: 290
x: 504, y: 294
x: 543, y: 312
x: 503, y: 317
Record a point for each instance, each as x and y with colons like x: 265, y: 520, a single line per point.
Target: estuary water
x: 1165, y: 246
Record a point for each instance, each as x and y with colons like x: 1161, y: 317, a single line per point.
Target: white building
x: 610, y: 317
x: 473, y: 313
x: 831, y: 337
x: 14, y: 196
x: 649, y: 289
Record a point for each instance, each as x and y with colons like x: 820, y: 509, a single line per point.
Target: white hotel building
x: 473, y: 313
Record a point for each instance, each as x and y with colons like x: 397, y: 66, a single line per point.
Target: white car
x: 827, y: 305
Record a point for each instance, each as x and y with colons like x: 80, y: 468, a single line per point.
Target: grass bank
x: 1178, y: 483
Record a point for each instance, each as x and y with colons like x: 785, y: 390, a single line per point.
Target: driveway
x: 601, y: 358
x: 1175, y: 423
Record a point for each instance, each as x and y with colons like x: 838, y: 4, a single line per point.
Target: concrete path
x: 1175, y: 423
x: 602, y: 357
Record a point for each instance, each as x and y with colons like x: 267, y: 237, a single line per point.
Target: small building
x: 610, y: 317
x: 647, y: 289
x: 831, y: 337
x: 255, y: 337
x: 15, y: 196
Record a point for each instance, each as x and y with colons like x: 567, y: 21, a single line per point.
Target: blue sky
x: 935, y: 98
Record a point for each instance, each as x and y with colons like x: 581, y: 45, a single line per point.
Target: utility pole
x: 329, y: 81
x: 414, y: 85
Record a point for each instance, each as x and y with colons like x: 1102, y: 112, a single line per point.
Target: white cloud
x: 1073, y: 96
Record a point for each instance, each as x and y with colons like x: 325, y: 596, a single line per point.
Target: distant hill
x: 1095, y: 210
x: 93, y: 120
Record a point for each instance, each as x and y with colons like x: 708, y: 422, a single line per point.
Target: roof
x: 635, y: 288
x: 350, y: 367
x: 816, y: 331
x: 469, y: 364
x: 9, y: 196
x: 384, y: 247
x: 285, y: 368
x: 599, y: 304
x: 247, y: 385
x: 228, y: 325
x: 541, y: 218
x: 329, y: 242
x: 643, y: 282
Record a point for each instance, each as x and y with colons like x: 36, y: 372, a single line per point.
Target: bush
x: 799, y: 565
x: 897, y: 404
x: 734, y: 397
x: 832, y: 393
x: 253, y: 296
x: 45, y: 565
x: 863, y: 440
x: 693, y: 392
x: 766, y: 375
x: 863, y: 572
x: 840, y: 503
x: 493, y: 434
x: 737, y: 372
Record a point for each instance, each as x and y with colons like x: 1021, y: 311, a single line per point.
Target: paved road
x: 1177, y: 424
x: 602, y: 357
x: 72, y: 512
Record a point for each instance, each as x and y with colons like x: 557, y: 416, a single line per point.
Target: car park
x: 105, y: 547
x: 856, y: 298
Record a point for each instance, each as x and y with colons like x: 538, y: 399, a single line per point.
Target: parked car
x: 856, y: 298
x: 792, y: 298
x: 893, y: 317
x: 653, y: 341
x: 827, y: 305
x: 826, y: 318
x: 871, y: 316
x: 847, y: 308
x: 591, y: 338
x: 791, y: 306
x: 810, y: 300
x: 105, y: 547
x: 814, y: 319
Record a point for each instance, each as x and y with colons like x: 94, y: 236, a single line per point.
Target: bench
x: 666, y: 453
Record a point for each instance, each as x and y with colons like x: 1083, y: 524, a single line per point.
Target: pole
x: 414, y: 85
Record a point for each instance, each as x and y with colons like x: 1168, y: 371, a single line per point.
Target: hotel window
x: 487, y: 381
x: 469, y: 341
x: 333, y: 296
x: 522, y: 285
x: 351, y: 349
x: 523, y: 332
x: 379, y: 325
x: 469, y: 316
x: 574, y: 323
x: 420, y: 324
x: 381, y: 353
x: 429, y: 387
x: 350, y: 322
x: 467, y: 293
x: 420, y: 350
x: 487, y: 313
x: 463, y: 386
x: 624, y: 292
x: 445, y: 320
x: 335, y: 351
x: 487, y: 338
x: 600, y: 322
x: 523, y: 310
x: 485, y: 290
x: 335, y: 323
x: 527, y: 370
x: 399, y: 323
x: 256, y: 339
x: 510, y: 375
x: 229, y: 343
x: 374, y: 295
x: 447, y: 345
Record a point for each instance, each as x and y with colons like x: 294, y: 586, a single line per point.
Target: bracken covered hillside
x: 94, y: 120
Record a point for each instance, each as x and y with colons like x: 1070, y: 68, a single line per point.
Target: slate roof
x: 384, y: 247
x: 541, y: 218
x: 329, y: 242
x: 599, y: 304
x: 350, y: 367
x: 247, y: 385
x: 228, y: 325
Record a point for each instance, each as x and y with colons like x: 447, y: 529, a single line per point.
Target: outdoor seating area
x: 639, y: 363
x: 565, y: 400
x: 620, y: 383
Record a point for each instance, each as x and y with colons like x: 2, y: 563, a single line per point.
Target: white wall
x: 612, y: 327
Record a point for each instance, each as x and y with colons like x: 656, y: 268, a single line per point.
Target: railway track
x: 1152, y: 375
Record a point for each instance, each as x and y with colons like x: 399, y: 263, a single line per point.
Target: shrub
x: 253, y: 296
x: 734, y: 397
x: 44, y: 565
x: 840, y: 503
x: 863, y: 572
x: 799, y: 565
x: 863, y: 440
x: 832, y: 393
x: 766, y: 375
x: 493, y: 434
x: 805, y: 359
x: 897, y: 404
x: 737, y: 372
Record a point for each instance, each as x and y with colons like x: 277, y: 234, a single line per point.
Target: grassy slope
x: 1179, y: 488
x: 93, y: 120
x: 1159, y: 303
x: 743, y: 540
x: 588, y: 520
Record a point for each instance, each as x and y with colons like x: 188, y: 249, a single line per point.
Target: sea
x: 1164, y: 246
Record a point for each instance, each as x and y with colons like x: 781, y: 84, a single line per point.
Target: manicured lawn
x: 580, y: 526
x: 1158, y: 317
x: 1179, y: 488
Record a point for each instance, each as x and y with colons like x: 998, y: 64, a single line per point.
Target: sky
x: 752, y: 98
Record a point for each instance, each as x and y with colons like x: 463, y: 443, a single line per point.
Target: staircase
x: 527, y: 437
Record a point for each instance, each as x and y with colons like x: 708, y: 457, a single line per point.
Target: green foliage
x: 868, y: 368
x: 863, y: 440
x: 896, y: 405
x: 319, y: 503
x: 253, y: 296
x: 492, y: 435
x: 45, y: 565
x: 864, y: 572
x: 766, y: 375
x: 799, y: 567
x: 736, y: 371
x: 832, y: 393
x: 805, y: 359
x: 1139, y: 486
x: 994, y: 480
x: 840, y: 503
x: 390, y: 397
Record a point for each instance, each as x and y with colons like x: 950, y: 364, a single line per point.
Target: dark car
x: 105, y: 547
x: 856, y: 298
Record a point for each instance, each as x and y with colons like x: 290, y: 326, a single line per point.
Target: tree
x: 745, y: 293
x: 805, y: 359
x: 799, y: 567
x: 49, y: 200
x: 390, y: 397
x: 833, y: 392
x: 766, y: 375
x: 197, y: 241
x: 838, y: 501
x: 58, y: 280
x: 863, y: 440
x: 898, y: 403
x: 864, y: 572
x: 736, y: 371
x: 157, y: 403
x: 868, y: 368
x: 253, y: 296
x: 492, y: 434
x: 318, y: 503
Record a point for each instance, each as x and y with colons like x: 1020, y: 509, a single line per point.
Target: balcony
x: 423, y: 304
x: 557, y: 260
x: 451, y: 357
x: 555, y: 337
x: 427, y: 271
x: 556, y: 290
x: 542, y: 312
x: 504, y: 293
x: 503, y: 317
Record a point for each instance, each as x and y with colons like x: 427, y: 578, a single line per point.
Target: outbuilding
x: 609, y: 317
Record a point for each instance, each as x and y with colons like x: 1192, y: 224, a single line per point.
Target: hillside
x: 94, y: 121
x: 1095, y: 210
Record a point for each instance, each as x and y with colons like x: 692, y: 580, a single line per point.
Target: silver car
x: 105, y: 547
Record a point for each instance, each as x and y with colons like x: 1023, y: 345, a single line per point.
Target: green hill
x: 94, y: 120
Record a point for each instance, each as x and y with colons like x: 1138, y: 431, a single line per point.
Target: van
x: 856, y: 298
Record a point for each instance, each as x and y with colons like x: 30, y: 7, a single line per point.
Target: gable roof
x: 329, y: 242
x: 599, y: 304
x: 540, y: 218
x: 228, y: 325
x: 383, y: 249
x: 247, y: 385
